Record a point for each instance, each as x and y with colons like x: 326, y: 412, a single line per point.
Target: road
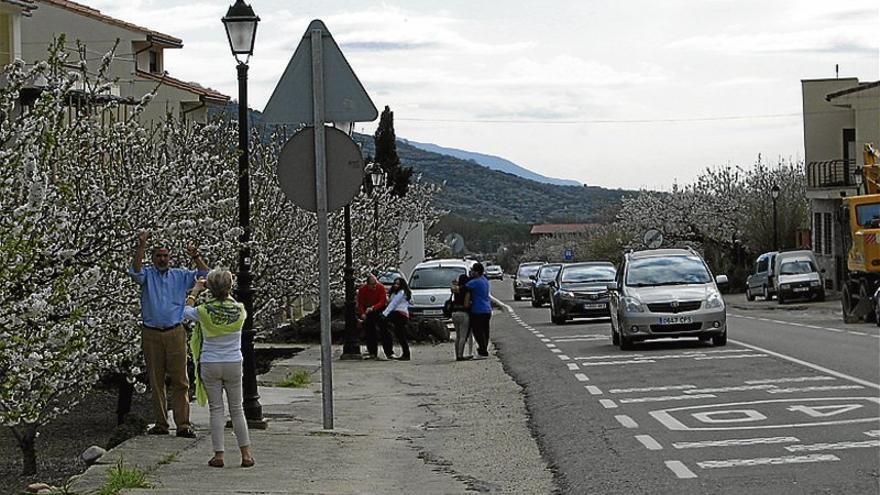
x: 790, y: 405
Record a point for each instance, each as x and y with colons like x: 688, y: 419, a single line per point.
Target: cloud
x: 379, y: 46
x: 807, y: 41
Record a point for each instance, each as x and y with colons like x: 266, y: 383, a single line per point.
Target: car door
x: 614, y: 301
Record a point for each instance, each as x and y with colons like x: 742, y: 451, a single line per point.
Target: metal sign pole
x: 323, y: 243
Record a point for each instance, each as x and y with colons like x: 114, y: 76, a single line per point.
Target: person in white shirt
x: 397, y: 313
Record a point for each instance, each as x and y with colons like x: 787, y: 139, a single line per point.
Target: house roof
x: 192, y: 87
x: 155, y: 36
x: 855, y: 89
x: 561, y: 228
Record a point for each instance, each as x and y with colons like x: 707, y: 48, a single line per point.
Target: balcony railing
x: 832, y: 173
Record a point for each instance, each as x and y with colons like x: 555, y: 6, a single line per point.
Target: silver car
x: 666, y: 293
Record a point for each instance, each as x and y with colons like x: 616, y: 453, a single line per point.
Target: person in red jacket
x: 371, y: 300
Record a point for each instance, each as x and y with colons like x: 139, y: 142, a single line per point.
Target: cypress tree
x: 386, y: 154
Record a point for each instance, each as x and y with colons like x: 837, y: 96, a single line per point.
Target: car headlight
x: 815, y: 283
x: 714, y: 301
x: 633, y: 305
x: 565, y: 293
x: 785, y: 286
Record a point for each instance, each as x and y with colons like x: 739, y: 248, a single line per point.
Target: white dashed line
x: 608, y: 403
x: 857, y: 333
x: 584, y: 339
x: 728, y: 389
x: 608, y: 363
x: 610, y: 356
x: 834, y: 446
x: 573, y: 366
x: 680, y: 470
x: 736, y: 442
x: 563, y: 357
x: 812, y: 389
x: 539, y: 334
x: 581, y: 377
x: 593, y: 390
x: 546, y: 340
x: 737, y: 356
x: 557, y: 351
x: 796, y: 379
x: 626, y: 421
x: 649, y: 442
x: 873, y: 433
x: 650, y: 389
x: 551, y: 346
x: 765, y: 461
x: 639, y: 400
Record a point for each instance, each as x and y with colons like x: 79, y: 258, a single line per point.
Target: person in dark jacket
x: 461, y: 302
x: 480, y: 310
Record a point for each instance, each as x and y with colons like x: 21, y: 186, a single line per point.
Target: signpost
x: 568, y: 255
x: 317, y: 87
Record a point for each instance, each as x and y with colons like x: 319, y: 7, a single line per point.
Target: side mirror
x: 612, y: 286
x: 721, y: 280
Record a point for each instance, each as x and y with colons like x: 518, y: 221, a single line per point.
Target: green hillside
x: 476, y: 192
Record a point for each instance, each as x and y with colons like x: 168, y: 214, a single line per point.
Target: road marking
x: 563, y: 357
x: 593, y: 390
x: 573, y: 366
x: 797, y: 379
x: 812, y: 389
x: 578, y: 336
x: 833, y: 446
x: 584, y: 339
x: 557, y: 351
x: 764, y: 461
x: 581, y: 377
x: 637, y: 400
x: 728, y: 389
x: 539, y: 334
x: 649, y: 442
x: 789, y: 323
x: 546, y: 340
x: 626, y: 421
x: 650, y: 389
x: 810, y: 365
x: 611, y: 356
x: 737, y: 356
x: 550, y: 346
x: 608, y: 403
x: 634, y: 361
x: 873, y: 433
x: 833, y: 330
x: 736, y: 442
x: 680, y: 470
x: 857, y: 333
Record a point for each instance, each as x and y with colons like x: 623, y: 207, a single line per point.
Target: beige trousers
x: 165, y: 354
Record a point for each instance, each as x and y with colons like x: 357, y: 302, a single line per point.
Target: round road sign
x: 653, y: 239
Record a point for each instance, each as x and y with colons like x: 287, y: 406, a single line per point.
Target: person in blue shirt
x: 481, y: 309
x: 163, y: 338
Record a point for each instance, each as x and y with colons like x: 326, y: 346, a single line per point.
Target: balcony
x: 833, y: 174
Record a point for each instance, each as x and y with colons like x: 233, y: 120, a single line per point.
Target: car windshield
x: 869, y: 215
x: 493, y: 269
x: 667, y: 270
x: 436, y: 278
x: 388, y: 278
x: 548, y: 272
x: 797, y: 267
x: 527, y: 271
x: 588, y: 273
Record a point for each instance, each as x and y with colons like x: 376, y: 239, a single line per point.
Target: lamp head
x: 241, y: 28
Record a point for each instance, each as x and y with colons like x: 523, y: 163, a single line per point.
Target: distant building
x: 11, y: 13
x: 138, y: 63
x: 551, y: 229
x: 840, y: 116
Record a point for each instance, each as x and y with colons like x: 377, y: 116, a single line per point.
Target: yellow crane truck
x: 862, y: 239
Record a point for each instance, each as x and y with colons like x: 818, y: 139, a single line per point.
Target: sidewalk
x: 431, y: 425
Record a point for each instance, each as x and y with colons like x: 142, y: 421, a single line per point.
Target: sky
x: 623, y: 94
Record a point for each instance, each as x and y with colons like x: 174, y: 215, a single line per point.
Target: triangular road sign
x: 345, y: 99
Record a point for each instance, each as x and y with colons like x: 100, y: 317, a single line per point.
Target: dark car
x: 541, y: 287
x: 522, y: 281
x: 760, y: 281
x: 580, y: 290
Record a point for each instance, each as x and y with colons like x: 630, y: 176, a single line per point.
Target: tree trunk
x: 27, y: 442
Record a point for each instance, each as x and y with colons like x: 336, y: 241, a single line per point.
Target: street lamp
x: 377, y: 179
x: 774, y: 193
x: 241, y: 29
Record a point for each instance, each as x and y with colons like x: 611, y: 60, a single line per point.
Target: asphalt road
x: 790, y: 405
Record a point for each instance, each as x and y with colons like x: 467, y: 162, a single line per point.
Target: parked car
x: 761, y: 280
x: 797, y: 276
x: 663, y: 293
x: 387, y: 278
x: 522, y: 281
x: 580, y: 290
x: 431, y: 285
x: 541, y: 286
x: 494, y: 272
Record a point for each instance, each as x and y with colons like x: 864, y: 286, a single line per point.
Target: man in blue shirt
x: 163, y: 338
x: 481, y: 309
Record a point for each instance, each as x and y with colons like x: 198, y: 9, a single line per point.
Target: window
x: 5, y: 39
x: 762, y: 266
x: 154, y: 62
x: 817, y: 233
x: 667, y: 270
x: 436, y: 278
x: 588, y: 273
x: 826, y: 234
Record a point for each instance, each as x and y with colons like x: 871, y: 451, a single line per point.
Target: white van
x: 431, y: 285
x: 797, y: 276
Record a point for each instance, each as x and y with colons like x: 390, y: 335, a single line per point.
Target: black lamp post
x: 774, y: 193
x: 377, y: 180
x: 241, y: 29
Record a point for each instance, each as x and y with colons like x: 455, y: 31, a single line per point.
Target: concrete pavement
x: 431, y: 425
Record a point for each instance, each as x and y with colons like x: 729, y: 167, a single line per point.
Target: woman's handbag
x: 447, y: 308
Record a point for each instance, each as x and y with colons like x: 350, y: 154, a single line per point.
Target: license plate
x: 433, y: 312
x: 594, y: 306
x: 802, y: 289
x: 675, y: 320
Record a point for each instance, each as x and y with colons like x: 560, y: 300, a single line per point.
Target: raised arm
x: 197, y: 258
x: 137, y: 264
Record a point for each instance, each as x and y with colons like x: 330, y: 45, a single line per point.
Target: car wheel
x: 765, y: 293
x: 625, y: 343
x: 749, y: 295
x: 556, y: 319
x: 536, y: 303
x: 517, y: 297
x: 780, y: 299
x: 615, y: 337
x: 720, y: 340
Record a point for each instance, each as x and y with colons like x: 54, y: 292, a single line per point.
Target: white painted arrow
x: 825, y: 411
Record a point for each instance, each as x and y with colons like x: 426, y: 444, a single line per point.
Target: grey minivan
x: 760, y: 281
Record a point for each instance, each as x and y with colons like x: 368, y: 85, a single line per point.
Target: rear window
x: 527, y: 271
x: 599, y: 273
x: 548, y: 272
x: 670, y: 270
x: 435, y: 278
